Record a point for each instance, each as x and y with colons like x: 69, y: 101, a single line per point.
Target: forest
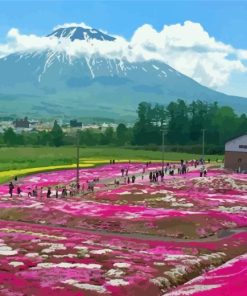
x: 181, y: 124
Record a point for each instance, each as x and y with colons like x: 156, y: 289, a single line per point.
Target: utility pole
x: 163, y: 148
x: 77, y: 160
x: 203, y: 143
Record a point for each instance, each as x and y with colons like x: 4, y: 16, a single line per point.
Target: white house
x: 236, y: 153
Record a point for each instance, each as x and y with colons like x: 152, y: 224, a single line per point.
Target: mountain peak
x: 80, y: 32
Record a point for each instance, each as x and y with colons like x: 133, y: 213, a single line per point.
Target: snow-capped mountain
x: 80, y: 33
x: 54, y: 82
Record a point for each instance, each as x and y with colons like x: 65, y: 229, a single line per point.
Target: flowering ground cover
x: 228, y: 279
x: 65, y: 177
x: 35, y: 260
x: 187, y: 206
x: 122, y: 218
x: 142, y: 238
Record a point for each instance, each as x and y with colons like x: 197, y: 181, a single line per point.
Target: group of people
x: 74, y: 189
x: 58, y: 191
x: 125, y: 172
x: 154, y: 176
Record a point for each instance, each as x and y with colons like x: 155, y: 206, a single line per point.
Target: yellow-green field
x: 22, y: 161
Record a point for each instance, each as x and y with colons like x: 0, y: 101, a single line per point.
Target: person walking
x: 56, y: 194
x: 41, y: 192
x: 48, y: 194
x: 35, y: 191
x: 11, y: 188
x: 201, y: 171
x: 143, y: 170
x: 19, y: 191
x: 162, y: 176
x: 29, y: 194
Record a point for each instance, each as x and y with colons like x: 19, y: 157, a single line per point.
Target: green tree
x: 226, y: 122
x: 43, y: 138
x: 108, y: 137
x: 178, y: 126
x: 89, y: 137
x: 147, y: 128
x: 57, y: 135
x: 122, y: 134
x: 10, y: 137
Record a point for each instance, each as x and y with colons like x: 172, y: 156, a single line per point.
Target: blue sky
x: 224, y: 20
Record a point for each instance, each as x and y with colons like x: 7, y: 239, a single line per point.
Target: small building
x: 236, y: 154
x: 75, y: 123
x: 22, y: 123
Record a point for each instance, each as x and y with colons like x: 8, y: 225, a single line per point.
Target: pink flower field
x: 228, y: 279
x: 174, y: 237
x: 35, y: 260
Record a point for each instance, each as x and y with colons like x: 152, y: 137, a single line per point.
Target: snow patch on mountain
x: 69, y: 25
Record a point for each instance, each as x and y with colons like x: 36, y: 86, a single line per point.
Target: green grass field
x: 21, y: 157
x: 27, y: 160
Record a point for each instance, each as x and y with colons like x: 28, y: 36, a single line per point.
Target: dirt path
x: 222, y: 234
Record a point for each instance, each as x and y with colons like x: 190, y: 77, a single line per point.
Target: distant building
x: 236, y: 154
x: 22, y: 123
x: 75, y: 123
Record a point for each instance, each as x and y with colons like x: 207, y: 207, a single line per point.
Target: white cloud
x: 189, y: 49
x: 186, y: 47
x: 69, y: 25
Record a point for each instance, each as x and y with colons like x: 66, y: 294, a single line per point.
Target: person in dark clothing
x: 128, y: 181
x: 11, y: 188
x: 56, y: 192
x: 19, y: 191
x: 63, y: 192
x: 154, y: 178
x: 162, y: 176
x: 78, y: 187
x: 133, y: 179
x: 151, y: 177
x: 48, y: 194
x: 29, y: 194
x: 35, y: 191
x: 122, y: 172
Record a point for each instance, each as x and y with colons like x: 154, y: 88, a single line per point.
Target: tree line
x: 182, y: 124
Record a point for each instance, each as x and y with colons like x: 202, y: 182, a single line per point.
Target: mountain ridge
x: 52, y: 82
